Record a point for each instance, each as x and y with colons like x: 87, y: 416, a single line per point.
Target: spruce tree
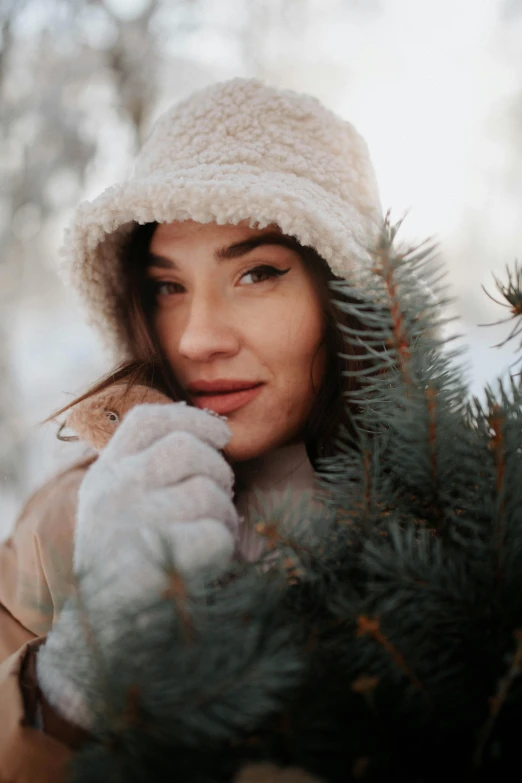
x: 378, y: 638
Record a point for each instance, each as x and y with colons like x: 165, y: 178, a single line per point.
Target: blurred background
x: 435, y: 89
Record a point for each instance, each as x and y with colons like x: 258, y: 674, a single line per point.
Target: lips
x: 226, y: 400
x: 221, y: 385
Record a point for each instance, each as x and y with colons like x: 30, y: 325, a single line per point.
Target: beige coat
x: 35, y: 581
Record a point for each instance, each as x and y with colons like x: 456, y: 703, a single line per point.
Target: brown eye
x: 264, y: 272
x: 157, y: 285
x: 112, y: 416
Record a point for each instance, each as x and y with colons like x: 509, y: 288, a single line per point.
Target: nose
x: 208, y: 331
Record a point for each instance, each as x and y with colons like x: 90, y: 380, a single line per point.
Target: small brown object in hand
x: 96, y: 419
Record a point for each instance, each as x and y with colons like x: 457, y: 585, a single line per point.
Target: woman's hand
x: 160, y: 475
x: 159, y: 488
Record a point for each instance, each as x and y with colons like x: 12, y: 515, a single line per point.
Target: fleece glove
x: 160, y: 486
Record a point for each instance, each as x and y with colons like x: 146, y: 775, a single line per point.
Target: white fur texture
x: 237, y: 150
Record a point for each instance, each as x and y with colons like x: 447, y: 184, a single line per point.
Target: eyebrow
x: 229, y: 252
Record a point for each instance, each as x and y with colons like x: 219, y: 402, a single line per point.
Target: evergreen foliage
x: 378, y: 639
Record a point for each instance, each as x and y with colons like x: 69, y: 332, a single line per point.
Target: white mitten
x: 161, y: 482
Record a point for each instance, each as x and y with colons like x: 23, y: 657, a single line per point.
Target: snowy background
x: 435, y: 89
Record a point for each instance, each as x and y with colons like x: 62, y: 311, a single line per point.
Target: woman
x: 210, y: 265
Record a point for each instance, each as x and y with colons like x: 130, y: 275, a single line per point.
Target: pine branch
x: 511, y: 293
x: 499, y: 700
x: 367, y: 626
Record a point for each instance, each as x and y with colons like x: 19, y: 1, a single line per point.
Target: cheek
x: 291, y: 351
x: 166, y: 329
x: 292, y: 345
x: 299, y: 336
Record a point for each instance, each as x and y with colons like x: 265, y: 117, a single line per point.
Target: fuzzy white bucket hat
x: 237, y: 150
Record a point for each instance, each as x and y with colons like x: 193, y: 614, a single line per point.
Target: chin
x: 246, y: 443
x: 242, y: 449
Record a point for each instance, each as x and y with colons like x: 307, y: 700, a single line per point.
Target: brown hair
x: 149, y: 366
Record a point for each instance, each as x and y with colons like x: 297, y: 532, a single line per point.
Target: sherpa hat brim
x: 91, y: 253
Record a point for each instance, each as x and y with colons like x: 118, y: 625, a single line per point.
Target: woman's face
x: 234, y: 308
